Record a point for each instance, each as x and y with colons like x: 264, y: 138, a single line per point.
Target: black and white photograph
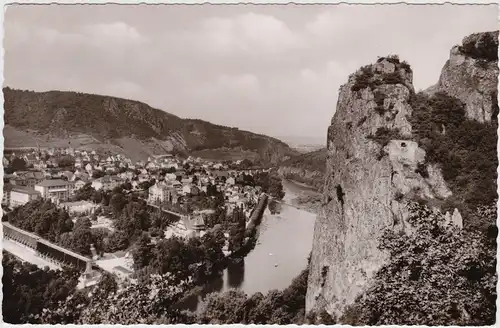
x: 267, y: 164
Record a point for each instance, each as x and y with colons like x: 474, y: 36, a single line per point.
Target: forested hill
x: 308, y: 168
x: 55, y: 117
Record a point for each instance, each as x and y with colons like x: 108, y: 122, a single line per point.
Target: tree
x: 96, y: 197
x: 117, y: 203
x: 84, y: 193
x: 246, y: 163
x: 66, y: 162
x: 277, y: 307
x: 107, y: 285
x: 270, y: 184
x: 226, y: 308
x: 438, y: 275
x: 41, y: 217
x: 127, y: 186
x: 17, y: 164
x: 142, y: 252
x: 117, y: 241
x: 98, y: 174
x: 28, y: 290
x: 145, y: 185
x: 133, y: 304
x: 82, y: 236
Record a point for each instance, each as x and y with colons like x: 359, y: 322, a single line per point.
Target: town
x: 104, y: 213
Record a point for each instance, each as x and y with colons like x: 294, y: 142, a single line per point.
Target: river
x: 284, y: 243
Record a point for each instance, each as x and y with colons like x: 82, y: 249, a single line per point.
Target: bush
x: 465, y: 149
x: 481, y: 46
x: 392, y: 78
x: 422, y: 170
x: 439, y: 275
x: 363, y: 80
x: 406, y: 66
x: 277, y: 307
x: 379, y: 98
x: 384, y: 135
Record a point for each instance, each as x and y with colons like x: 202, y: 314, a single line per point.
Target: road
x: 27, y: 255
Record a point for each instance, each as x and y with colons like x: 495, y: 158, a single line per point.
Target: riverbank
x: 302, y: 196
x: 251, y: 229
x: 251, y: 236
x: 282, y: 245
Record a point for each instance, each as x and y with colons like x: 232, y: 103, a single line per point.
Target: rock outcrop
x: 471, y: 75
x: 375, y: 164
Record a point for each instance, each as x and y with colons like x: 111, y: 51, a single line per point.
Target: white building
x: 162, y: 192
x: 80, y: 207
x: 56, y: 190
x: 106, y: 183
x: 20, y: 195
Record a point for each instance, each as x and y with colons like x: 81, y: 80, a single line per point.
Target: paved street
x: 27, y: 255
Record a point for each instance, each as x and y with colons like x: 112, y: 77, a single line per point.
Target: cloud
x: 270, y: 69
x: 248, y: 33
x: 113, y: 32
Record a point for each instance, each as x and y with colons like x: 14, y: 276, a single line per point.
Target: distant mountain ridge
x: 57, y: 117
x: 303, y: 144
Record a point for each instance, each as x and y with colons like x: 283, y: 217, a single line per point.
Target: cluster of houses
x: 44, y: 180
x: 174, y: 182
x: 171, y: 189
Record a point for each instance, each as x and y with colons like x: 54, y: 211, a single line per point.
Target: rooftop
x: 78, y: 203
x: 121, y: 269
x: 53, y: 182
x: 25, y: 190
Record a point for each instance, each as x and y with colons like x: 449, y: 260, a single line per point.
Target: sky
x: 272, y: 69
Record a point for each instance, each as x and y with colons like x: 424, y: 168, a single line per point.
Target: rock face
x: 373, y: 166
x: 471, y: 75
x: 366, y: 184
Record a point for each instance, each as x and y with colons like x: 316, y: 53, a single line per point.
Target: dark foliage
x: 379, y: 98
x: 270, y: 184
x: 198, y: 258
x: 142, y: 303
x: 383, y: 135
x: 277, y: 307
x: 465, y: 149
x: 43, y: 218
x: 84, y: 193
x: 27, y: 290
x: 364, y: 79
x: 392, y: 78
x: 66, y: 162
x: 367, y: 78
x: 439, y: 275
x: 422, y: 170
x: 16, y: 164
x: 481, y: 46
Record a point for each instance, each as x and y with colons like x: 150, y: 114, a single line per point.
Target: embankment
x: 251, y: 229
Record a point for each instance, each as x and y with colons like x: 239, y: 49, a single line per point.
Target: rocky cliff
x: 471, y: 75
x: 376, y: 162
